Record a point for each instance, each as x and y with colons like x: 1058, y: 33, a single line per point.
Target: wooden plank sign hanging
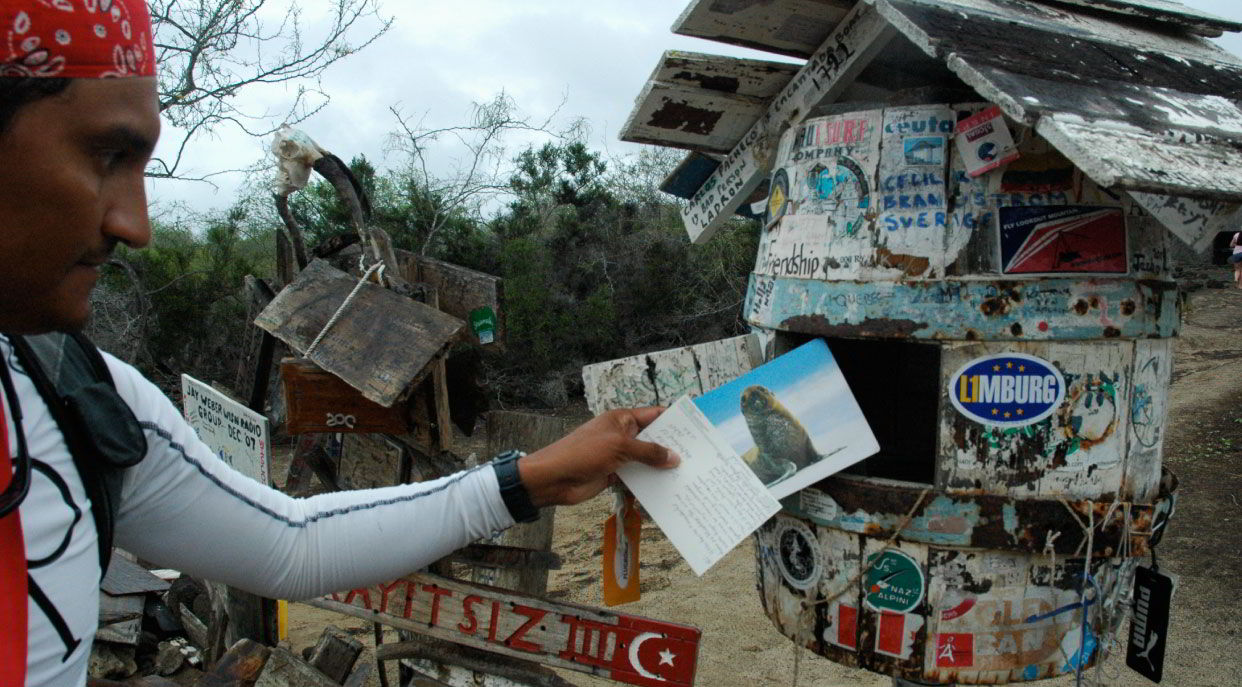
x: 856, y: 40
x: 317, y: 401
x: 379, y: 342
x: 620, y: 647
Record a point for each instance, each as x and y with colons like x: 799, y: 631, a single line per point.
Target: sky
x: 589, y: 59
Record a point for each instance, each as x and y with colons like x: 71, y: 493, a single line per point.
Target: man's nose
x: 127, y: 219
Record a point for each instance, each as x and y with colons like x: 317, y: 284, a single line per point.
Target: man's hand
x: 577, y: 467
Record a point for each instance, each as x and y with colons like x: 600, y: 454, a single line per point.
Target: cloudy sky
x: 440, y: 57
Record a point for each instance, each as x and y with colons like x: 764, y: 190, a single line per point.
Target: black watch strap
x: 512, y: 491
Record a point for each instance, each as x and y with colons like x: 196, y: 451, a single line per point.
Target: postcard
x: 771, y: 432
x: 793, y: 420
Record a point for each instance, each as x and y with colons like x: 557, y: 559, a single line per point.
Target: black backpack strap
x: 99, y: 428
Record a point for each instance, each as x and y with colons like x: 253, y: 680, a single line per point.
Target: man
x: 78, y: 122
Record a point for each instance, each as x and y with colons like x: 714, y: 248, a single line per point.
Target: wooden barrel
x: 1007, y: 335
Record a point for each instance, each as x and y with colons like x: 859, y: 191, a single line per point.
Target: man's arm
x: 183, y: 508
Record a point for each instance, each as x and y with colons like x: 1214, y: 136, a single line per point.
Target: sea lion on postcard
x: 778, y: 435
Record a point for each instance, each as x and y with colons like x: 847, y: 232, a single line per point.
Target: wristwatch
x: 512, y: 491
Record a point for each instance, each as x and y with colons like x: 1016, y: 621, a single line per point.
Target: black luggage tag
x: 1149, y: 626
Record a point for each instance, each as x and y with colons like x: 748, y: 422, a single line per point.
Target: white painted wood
x: 680, y: 116
x: 853, y: 44
x: 661, y: 377
x: 1118, y: 155
x: 785, y: 27
x: 740, y: 75
x: 1029, y: 14
x: 1197, y: 21
x: 1195, y: 221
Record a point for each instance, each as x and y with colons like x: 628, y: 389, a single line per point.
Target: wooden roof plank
x: 743, y: 76
x: 1130, y: 117
x: 785, y: 27
x: 1119, y: 156
x: 958, y: 21
x: 1193, y: 220
x: 858, y: 38
x: 677, y: 116
x: 1198, y: 21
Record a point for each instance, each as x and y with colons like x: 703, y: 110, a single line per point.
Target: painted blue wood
x: 967, y: 310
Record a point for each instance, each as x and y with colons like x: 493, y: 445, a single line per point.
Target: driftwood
x: 240, y: 666
x: 335, y: 654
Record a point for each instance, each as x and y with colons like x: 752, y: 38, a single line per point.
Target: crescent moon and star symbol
x: 666, y: 656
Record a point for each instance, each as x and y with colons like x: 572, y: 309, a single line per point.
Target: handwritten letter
x: 709, y: 503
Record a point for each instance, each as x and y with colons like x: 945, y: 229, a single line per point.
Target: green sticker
x: 483, y: 322
x: 894, y: 582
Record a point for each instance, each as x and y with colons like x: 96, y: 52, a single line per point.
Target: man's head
x: 74, y: 142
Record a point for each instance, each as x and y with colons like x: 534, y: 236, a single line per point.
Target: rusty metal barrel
x: 1007, y: 333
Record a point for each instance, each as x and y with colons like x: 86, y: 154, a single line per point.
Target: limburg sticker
x: 1007, y: 390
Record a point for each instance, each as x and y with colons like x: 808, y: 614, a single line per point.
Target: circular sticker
x: 778, y: 197
x: 798, y: 554
x: 1008, y: 390
x: 894, y: 582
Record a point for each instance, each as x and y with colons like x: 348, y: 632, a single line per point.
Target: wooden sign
x: 850, y: 48
x: 1195, y: 221
x: 704, y: 102
x: 239, y: 435
x: 624, y: 648
x: 379, y: 343
x: 317, y: 401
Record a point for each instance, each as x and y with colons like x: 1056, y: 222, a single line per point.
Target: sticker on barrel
x: 1007, y: 390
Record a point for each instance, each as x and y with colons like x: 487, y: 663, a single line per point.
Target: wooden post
x: 524, y: 432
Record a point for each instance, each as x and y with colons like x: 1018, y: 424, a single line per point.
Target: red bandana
x: 77, y: 39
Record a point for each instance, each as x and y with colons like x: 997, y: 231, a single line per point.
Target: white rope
x: 345, y: 304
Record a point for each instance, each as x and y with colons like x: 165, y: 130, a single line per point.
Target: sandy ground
x: 1203, y: 445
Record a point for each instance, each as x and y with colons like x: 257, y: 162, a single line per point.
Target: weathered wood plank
x: 1120, y: 156
x: 460, y: 290
x: 240, y: 666
x: 680, y: 116
x: 127, y: 577
x: 380, y: 344
x: 619, y: 647
x: 318, y: 402
x: 120, y: 618
x: 335, y: 653
x: 1195, y: 221
x: 1134, y: 109
x: 1164, y: 11
x: 738, y: 75
x: 704, y: 102
x: 368, y: 461
x: 283, y: 669
x: 462, y: 666
x: 785, y: 27
x: 527, y: 432
x: 852, y: 45
x: 506, y: 557
x: 661, y: 377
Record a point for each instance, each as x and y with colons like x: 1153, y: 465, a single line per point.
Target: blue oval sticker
x: 1009, y: 390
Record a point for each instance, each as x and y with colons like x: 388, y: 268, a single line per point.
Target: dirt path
x: 1203, y: 445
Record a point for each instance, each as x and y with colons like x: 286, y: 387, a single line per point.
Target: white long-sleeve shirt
x: 183, y: 508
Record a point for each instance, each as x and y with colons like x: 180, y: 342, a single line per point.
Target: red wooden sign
x: 625, y: 648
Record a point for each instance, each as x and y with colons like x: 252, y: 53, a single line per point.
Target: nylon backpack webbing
x: 74, y: 381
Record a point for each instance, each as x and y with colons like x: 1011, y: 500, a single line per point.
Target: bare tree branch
x: 208, y: 51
